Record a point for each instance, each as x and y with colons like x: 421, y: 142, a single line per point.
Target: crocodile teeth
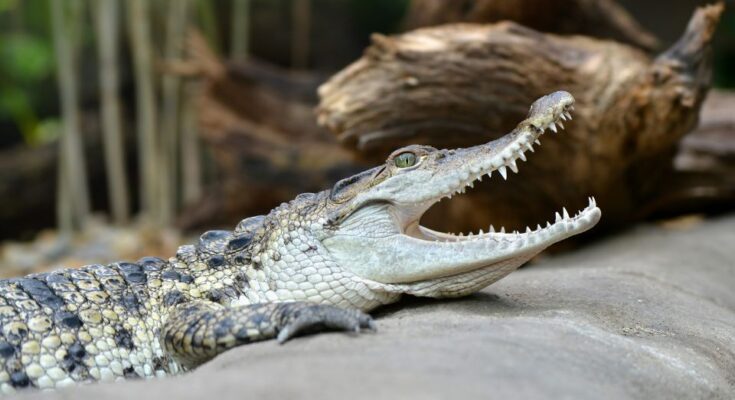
x: 566, y: 214
x: 563, y: 116
x: 513, y: 166
x: 522, y: 156
x: 529, y: 147
x: 557, y: 216
x: 561, y: 124
x: 569, y: 116
x: 537, y: 142
x: 553, y: 127
x: 503, y: 172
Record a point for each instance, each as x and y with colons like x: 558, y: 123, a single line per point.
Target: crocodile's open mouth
x: 499, y: 165
x: 383, y: 239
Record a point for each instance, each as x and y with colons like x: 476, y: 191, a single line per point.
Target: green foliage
x: 27, y: 66
x: 18, y: 105
x: 25, y: 58
x: 7, y: 5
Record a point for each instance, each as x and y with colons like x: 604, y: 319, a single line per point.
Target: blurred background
x: 128, y: 125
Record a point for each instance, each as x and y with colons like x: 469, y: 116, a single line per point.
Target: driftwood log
x: 604, y: 19
x: 463, y: 84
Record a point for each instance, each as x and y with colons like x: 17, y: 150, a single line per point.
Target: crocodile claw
x: 322, y: 317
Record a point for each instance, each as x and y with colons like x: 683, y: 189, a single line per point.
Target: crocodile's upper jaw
x: 380, y: 239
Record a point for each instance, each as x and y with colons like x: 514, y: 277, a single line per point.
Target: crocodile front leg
x: 198, y: 331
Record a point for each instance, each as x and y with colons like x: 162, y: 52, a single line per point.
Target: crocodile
x: 319, y: 262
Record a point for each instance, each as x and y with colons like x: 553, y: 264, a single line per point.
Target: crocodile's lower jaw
x: 416, y: 253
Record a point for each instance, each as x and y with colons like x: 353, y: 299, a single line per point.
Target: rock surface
x: 648, y: 315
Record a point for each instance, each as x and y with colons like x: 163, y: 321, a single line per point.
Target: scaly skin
x: 318, y: 262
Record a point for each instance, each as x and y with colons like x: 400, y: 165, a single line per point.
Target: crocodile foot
x: 303, y: 318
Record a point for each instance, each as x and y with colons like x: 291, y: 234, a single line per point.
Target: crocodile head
x: 373, y: 219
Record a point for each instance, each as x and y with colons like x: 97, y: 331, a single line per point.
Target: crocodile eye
x: 405, y: 160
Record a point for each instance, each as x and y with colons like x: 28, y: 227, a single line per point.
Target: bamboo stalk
x: 148, y: 151
x: 300, y: 32
x: 240, y: 39
x: 73, y: 202
x: 191, y: 167
x: 64, y: 209
x: 107, y: 46
x: 208, y: 22
x: 171, y: 93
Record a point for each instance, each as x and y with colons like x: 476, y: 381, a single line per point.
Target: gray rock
x: 648, y: 315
